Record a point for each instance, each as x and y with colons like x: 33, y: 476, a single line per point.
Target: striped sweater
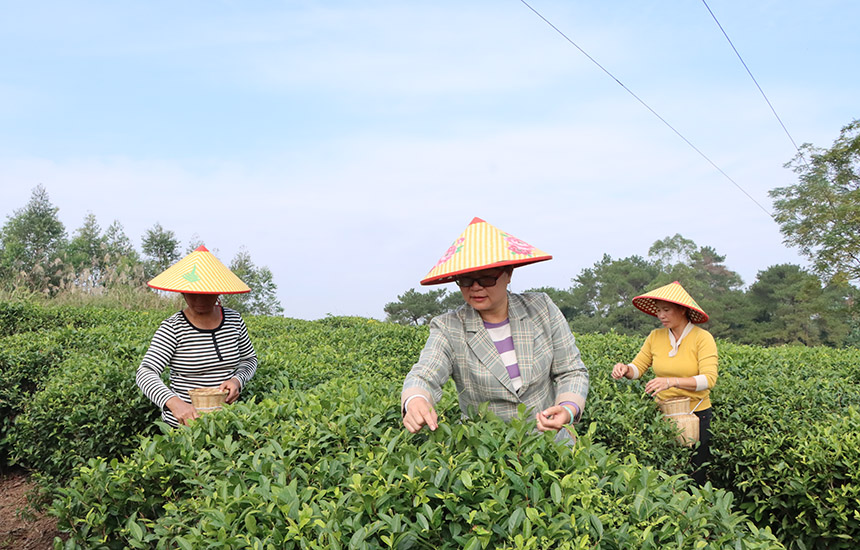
x: 198, y: 358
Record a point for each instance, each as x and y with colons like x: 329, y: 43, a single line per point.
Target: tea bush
x: 326, y: 394
x: 784, y: 418
x: 332, y: 468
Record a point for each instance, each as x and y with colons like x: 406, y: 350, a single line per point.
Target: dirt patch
x: 20, y: 527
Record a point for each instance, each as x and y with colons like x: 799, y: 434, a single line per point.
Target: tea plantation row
x: 314, y: 456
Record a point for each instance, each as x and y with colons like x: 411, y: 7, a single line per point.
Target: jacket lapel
x: 523, y: 333
x: 482, y: 346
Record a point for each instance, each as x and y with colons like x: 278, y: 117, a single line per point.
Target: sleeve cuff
x: 410, y: 398
x: 636, y: 373
x: 577, y: 414
x: 701, y: 382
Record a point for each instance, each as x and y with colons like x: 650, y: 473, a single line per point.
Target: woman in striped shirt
x: 205, y: 345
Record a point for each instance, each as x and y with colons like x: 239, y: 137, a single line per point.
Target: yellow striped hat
x: 482, y: 246
x: 675, y: 293
x: 199, y: 273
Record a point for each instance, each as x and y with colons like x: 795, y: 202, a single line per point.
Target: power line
x: 749, y: 72
x: 653, y: 112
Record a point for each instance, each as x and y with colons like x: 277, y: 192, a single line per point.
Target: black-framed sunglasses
x: 485, y: 281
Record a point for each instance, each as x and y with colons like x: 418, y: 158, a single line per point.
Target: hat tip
x: 476, y: 220
x: 201, y: 248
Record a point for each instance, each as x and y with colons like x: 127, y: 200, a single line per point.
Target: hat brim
x: 200, y: 272
x: 647, y: 304
x: 198, y: 292
x: 450, y: 277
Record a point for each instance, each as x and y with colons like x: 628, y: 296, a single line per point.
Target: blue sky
x: 346, y: 144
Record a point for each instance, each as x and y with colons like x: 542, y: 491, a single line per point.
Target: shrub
x: 334, y: 469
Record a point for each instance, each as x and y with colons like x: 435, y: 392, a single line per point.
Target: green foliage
x: 602, y: 295
x: 356, y: 479
x: 101, y: 268
x: 160, y: 249
x: 820, y: 214
x: 627, y: 419
x: 314, y: 454
x: 600, y: 299
x: 418, y: 308
x: 262, y: 300
x: 784, y: 305
x: 784, y: 417
x: 788, y: 305
x: 31, y: 242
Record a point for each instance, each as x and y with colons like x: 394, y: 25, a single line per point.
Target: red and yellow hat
x: 199, y: 273
x: 482, y: 246
x: 675, y: 293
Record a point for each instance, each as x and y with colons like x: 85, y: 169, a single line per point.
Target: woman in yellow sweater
x: 683, y: 356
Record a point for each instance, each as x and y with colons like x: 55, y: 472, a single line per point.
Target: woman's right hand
x: 181, y: 410
x: 620, y: 370
x: 420, y: 414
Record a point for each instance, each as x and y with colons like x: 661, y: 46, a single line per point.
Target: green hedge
x: 785, y: 426
x: 332, y: 468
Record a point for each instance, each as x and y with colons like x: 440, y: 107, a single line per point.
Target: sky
x: 345, y: 145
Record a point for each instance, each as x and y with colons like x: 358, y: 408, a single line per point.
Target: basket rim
x: 675, y: 399
x: 207, y: 391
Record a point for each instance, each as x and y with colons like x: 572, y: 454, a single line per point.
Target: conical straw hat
x: 482, y: 246
x: 199, y: 273
x: 675, y: 293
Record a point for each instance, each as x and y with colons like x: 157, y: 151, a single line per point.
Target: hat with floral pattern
x: 199, y: 273
x: 675, y: 293
x: 482, y: 246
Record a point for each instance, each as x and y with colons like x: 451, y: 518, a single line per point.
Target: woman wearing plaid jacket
x: 500, y: 348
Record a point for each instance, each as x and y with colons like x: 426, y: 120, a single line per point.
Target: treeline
x: 39, y: 259
x: 785, y: 305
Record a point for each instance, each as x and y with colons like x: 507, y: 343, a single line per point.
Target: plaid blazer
x: 459, y: 347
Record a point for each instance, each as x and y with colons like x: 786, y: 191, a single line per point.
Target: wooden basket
x: 677, y: 409
x: 206, y: 400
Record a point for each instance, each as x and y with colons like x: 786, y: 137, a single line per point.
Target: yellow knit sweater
x: 697, y: 354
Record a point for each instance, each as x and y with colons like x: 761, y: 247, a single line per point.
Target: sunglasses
x: 485, y: 281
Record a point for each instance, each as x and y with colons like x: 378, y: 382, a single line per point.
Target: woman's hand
x: 553, y: 418
x: 656, y: 385
x: 184, y: 412
x: 620, y: 370
x: 233, y: 387
x: 420, y: 414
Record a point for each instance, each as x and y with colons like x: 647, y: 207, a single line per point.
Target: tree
x: 125, y: 265
x: 418, y: 308
x: 161, y: 250
x: 195, y: 243
x: 672, y: 251
x: 262, y: 300
x: 602, y: 295
x: 31, y: 243
x: 702, y: 273
x: 86, y: 253
x: 563, y: 299
x: 821, y: 213
x: 789, y: 305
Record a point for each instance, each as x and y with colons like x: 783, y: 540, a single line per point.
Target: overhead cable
x: 640, y: 100
x: 749, y: 72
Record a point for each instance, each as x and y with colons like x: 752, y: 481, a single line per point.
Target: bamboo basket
x: 677, y: 410
x: 206, y: 400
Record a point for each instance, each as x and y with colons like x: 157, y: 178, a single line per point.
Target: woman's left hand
x: 552, y: 418
x: 233, y: 387
x: 656, y: 385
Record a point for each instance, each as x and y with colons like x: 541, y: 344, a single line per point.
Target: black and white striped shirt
x: 198, y: 358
